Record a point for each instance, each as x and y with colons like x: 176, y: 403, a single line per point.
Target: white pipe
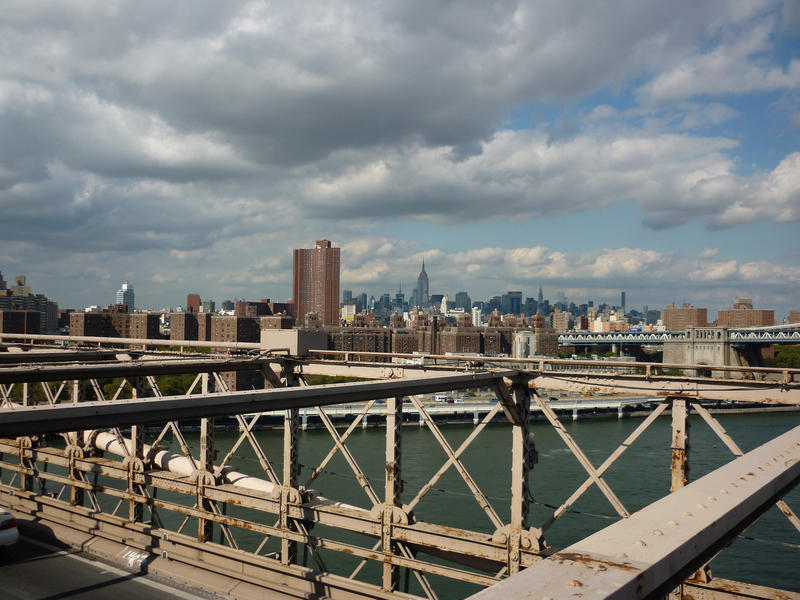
x: 178, y: 463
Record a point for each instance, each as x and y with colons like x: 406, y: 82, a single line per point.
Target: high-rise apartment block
x: 743, y: 315
x: 315, y: 286
x: 243, y: 308
x: 20, y: 297
x: 678, y: 319
x: 193, y: 303
x: 20, y: 321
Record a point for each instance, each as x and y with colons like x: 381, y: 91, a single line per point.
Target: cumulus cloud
x: 673, y: 178
x: 213, y: 134
x: 596, y: 274
x: 736, y: 66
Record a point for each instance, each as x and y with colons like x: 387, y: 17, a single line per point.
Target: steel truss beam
x: 93, y: 415
x: 56, y: 356
x: 734, y: 390
x: 651, y: 552
x: 132, y: 369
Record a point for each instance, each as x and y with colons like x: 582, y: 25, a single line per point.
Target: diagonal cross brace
x: 582, y: 458
x: 480, y: 498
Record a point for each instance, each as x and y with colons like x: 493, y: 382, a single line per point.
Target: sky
x: 590, y: 148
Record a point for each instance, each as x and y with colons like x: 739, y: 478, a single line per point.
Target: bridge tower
x: 703, y: 346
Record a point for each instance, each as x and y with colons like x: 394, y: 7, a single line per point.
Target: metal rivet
x: 575, y: 583
x: 687, y: 514
x: 657, y: 532
x: 640, y: 543
x: 712, y: 499
x: 599, y: 569
x: 672, y: 523
x: 700, y: 506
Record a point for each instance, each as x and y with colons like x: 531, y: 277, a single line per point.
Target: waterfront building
x: 20, y: 321
x: 539, y: 342
x: 460, y: 340
x: 678, y: 319
x: 243, y: 308
x: 743, y: 315
x: 183, y: 326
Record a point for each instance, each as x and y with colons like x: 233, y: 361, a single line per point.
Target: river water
x: 767, y: 554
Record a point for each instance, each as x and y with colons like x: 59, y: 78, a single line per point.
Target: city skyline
x: 638, y: 146
x: 324, y: 259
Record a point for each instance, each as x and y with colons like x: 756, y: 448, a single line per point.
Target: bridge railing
x: 652, y: 370
x: 193, y: 502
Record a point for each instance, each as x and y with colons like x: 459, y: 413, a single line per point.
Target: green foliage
x: 785, y: 356
x: 326, y: 379
x: 176, y: 385
x: 189, y: 349
x: 655, y: 357
x: 565, y: 354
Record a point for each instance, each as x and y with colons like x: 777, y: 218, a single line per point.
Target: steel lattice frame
x: 507, y: 549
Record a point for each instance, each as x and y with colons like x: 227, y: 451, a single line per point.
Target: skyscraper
x: 125, y: 296
x: 423, y: 298
x: 315, y: 286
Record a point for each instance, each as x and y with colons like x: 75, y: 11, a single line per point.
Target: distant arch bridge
x: 778, y: 334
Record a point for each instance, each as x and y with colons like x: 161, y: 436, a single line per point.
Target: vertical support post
x: 205, y: 475
x: 25, y: 394
x: 77, y: 393
x: 135, y: 459
x: 393, y: 501
x: 291, y: 473
x: 135, y: 468
x: 291, y: 469
x: 680, y: 444
x: 25, y: 445
x: 522, y: 455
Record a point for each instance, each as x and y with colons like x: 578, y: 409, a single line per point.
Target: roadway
x: 31, y: 570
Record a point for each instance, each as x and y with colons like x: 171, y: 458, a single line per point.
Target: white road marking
x: 110, y: 570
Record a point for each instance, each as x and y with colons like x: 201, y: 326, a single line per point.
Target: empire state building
x: 423, y: 298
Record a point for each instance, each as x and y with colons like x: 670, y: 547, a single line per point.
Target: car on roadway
x: 9, y: 533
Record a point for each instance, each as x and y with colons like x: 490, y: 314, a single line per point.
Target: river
x: 767, y: 554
